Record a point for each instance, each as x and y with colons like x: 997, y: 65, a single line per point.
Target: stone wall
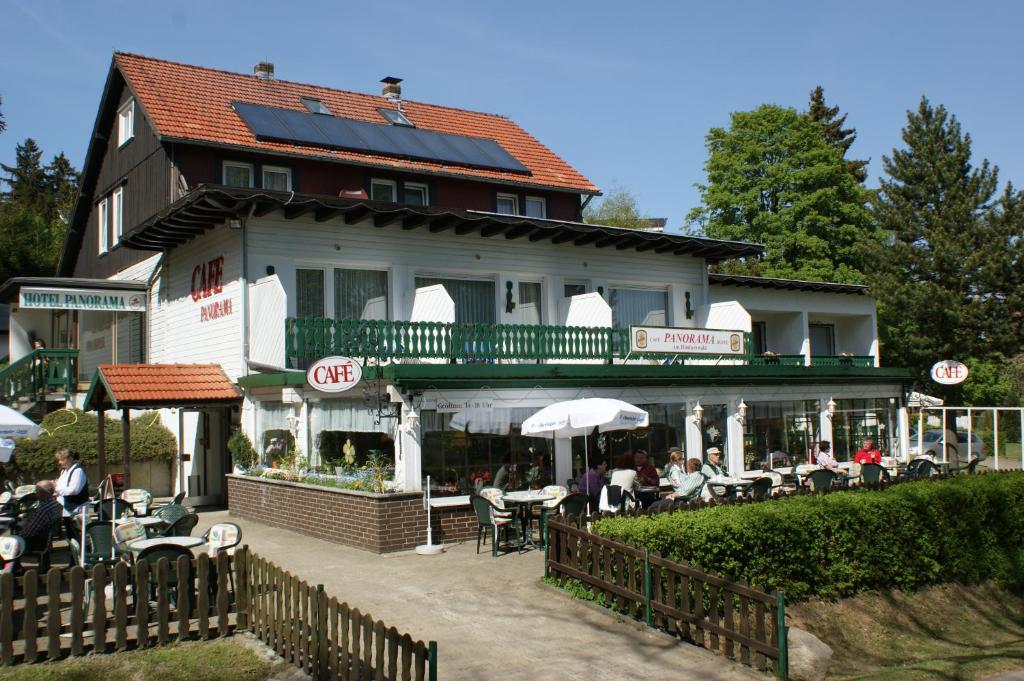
x: 375, y: 522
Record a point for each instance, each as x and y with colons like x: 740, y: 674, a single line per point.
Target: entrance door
x: 211, y: 462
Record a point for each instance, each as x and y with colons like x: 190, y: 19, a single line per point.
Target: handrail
x: 39, y: 372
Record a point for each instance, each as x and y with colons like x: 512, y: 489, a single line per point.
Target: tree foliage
x: 834, y: 132
x: 618, y: 208
x: 773, y: 178
x: 949, y: 275
x: 34, y: 211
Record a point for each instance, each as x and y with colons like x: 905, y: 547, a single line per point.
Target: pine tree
x: 27, y: 179
x: 834, y: 132
x: 942, y: 285
x: 3, y: 123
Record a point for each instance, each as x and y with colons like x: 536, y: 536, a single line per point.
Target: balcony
x: 380, y: 341
x: 38, y: 375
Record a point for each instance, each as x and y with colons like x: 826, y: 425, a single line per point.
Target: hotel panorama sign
x: 658, y: 339
x: 30, y: 298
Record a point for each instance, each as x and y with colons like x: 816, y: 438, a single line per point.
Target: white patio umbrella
x: 14, y: 424
x: 580, y: 417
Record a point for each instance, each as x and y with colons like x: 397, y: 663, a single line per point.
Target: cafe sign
x: 949, y: 372
x: 334, y: 374
x: 30, y: 298
x: 453, y: 406
x: 678, y: 341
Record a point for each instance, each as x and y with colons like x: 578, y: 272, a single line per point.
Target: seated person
x: 825, y: 459
x: 624, y: 477
x: 591, y: 482
x: 689, y: 486
x: 36, y: 526
x: 713, y: 468
x: 647, y: 476
x: 868, y: 453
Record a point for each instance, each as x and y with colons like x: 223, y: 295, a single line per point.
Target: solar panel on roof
x: 346, y: 133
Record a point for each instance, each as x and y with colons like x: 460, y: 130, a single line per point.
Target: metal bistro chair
x: 222, y: 537
x: 549, y: 507
x: 138, y: 500
x: 922, y: 468
x: 821, y: 480
x: 872, y: 473
x: 493, y: 519
x: 171, y: 552
x: 99, y: 545
x: 176, y: 501
x: 615, y: 499
x: 12, y: 547
x: 760, y: 488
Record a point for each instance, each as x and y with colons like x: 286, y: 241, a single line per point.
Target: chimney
x: 264, y: 70
x: 392, y: 90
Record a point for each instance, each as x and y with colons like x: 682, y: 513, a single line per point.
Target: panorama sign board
x: 949, y: 372
x: 659, y: 339
x: 32, y: 298
x: 334, y: 374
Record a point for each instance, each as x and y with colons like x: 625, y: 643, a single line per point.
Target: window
x: 117, y: 216
x: 396, y: 117
x: 238, y: 174
x: 103, y: 225
x: 574, y: 288
x: 474, y: 299
x: 638, y: 307
x: 823, y: 340
x: 529, y: 308
x: 758, y: 338
x: 360, y: 294
x: 415, y: 194
x: 277, y: 179
x: 315, y: 106
x: 309, y: 293
x: 507, y: 204
x: 536, y: 207
x: 126, y: 123
x: 384, y: 190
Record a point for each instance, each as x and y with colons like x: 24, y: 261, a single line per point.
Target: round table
x: 184, y: 542
x: 731, y: 485
x: 526, y: 499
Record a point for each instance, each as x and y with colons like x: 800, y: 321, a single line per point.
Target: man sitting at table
x: 45, y: 518
x: 825, y: 458
x: 713, y: 468
x: 646, y: 476
x: 591, y: 482
x: 868, y: 453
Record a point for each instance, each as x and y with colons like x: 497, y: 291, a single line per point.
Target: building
x: 261, y: 225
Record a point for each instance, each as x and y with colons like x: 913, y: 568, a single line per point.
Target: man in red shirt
x: 868, y: 453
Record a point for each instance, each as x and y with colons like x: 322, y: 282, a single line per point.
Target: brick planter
x: 375, y: 522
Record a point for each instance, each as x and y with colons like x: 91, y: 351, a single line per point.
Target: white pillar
x: 735, y: 441
x: 563, y: 460
x: 825, y: 422
x: 694, y: 441
x: 805, y: 344
x: 411, y: 465
x: 903, y: 428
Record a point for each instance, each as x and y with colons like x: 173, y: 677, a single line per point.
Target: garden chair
x: 138, y: 500
x: 972, y: 467
x: 760, y: 488
x: 169, y: 514
x: 615, y: 499
x: 573, y: 506
x: 98, y: 544
x: 222, y: 537
x: 546, y: 508
x: 494, y: 520
x: 171, y: 552
x: 176, y: 501
x: 922, y: 468
x: 821, y: 480
x: 127, y: 532
x: 872, y: 473
x: 182, y: 527
x: 11, y: 549
x: 695, y: 495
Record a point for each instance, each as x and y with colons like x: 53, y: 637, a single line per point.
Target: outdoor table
x: 185, y: 542
x: 731, y: 485
x: 526, y: 499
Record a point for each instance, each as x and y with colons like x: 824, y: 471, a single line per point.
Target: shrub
x: 242, y: 451
x: 75, y: 429
x: 963, y: 529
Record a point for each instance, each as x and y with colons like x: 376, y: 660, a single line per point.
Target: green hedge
x: 963, y: 529
x: 74, y: 429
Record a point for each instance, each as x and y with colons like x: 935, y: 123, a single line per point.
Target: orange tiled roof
x: 193, y: 102
x: 129, y: 385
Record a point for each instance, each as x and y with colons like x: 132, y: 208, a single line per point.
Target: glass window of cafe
x: 778, y: 434
x: 474, y: 298
x: 108, y: 338
x: 665, y: 429
x: 855, y: 420
x: 276, y: 442
x: 346, y: 435
x: 459, y: 462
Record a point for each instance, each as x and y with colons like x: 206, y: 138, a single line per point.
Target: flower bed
x: 965, y: 529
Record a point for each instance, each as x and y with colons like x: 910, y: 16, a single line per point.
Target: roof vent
x: 392, y: 88
x: 264, y: 70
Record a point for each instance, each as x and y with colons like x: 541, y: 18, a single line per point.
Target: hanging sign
x: 659, y: 339
x: 30, y: 298
x: 453, y: 406
x: 949, y: 372
x: 334, y: 374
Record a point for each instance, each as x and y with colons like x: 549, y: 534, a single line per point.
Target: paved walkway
x: 491, y: 618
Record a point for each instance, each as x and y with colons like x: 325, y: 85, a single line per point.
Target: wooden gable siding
x: 143, y: 168
x: 202, y: 165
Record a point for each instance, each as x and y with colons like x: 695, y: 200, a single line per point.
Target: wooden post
x: 101, y: 444
x: 126, y: 446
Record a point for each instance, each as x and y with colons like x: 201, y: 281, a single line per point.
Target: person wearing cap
x: 713, y: 466
x: 824, y: 457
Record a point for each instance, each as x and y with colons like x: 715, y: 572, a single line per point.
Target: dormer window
x: 507, y: 204
x: 316, y: 106
x: 396, y: 117
x: 126, y: 123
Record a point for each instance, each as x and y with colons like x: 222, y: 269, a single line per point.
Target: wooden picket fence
x: 730, y: 618
x: 129, y: 606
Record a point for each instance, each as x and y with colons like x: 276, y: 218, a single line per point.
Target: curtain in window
x: 474, y: 300
x: 529, y: 309
x: 129, y: 337
x: 360, y: 294
x: 822, y: 340
x: 273, y: 439
x: 347, y: 416
x: 638, y: 307
x: 309, y: 293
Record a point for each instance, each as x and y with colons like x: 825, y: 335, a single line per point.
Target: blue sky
x: 625, y: 92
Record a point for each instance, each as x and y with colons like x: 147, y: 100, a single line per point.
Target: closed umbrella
x: 580, y: 417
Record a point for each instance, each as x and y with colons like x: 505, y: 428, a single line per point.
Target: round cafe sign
x: 334, y: 374
x: 949, y: 372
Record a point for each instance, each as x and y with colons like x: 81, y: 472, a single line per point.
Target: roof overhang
x: 10, y: 288
x: 208, y: 206
x: 785, y: 284
x: 149, y: 388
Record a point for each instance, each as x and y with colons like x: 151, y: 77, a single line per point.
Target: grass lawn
x: 939, y: 633
x: 223, y: 660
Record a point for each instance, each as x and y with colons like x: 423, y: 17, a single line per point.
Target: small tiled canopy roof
x: 144, y: 386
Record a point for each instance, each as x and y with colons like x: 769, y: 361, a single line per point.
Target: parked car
x: 956, y: 445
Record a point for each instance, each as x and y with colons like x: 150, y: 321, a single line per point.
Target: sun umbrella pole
x: 586, y: 469
x: 81, y: 550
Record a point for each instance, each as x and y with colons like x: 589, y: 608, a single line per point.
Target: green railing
x: 38, y: 373
x: 862, y: 361
x: 777, y: 360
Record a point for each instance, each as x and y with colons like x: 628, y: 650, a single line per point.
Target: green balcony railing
x: 861, y: 361
x: 770, y: 359
x: 38, y: 373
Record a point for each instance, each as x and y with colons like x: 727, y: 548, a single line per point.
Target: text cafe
x: 77, y: 324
